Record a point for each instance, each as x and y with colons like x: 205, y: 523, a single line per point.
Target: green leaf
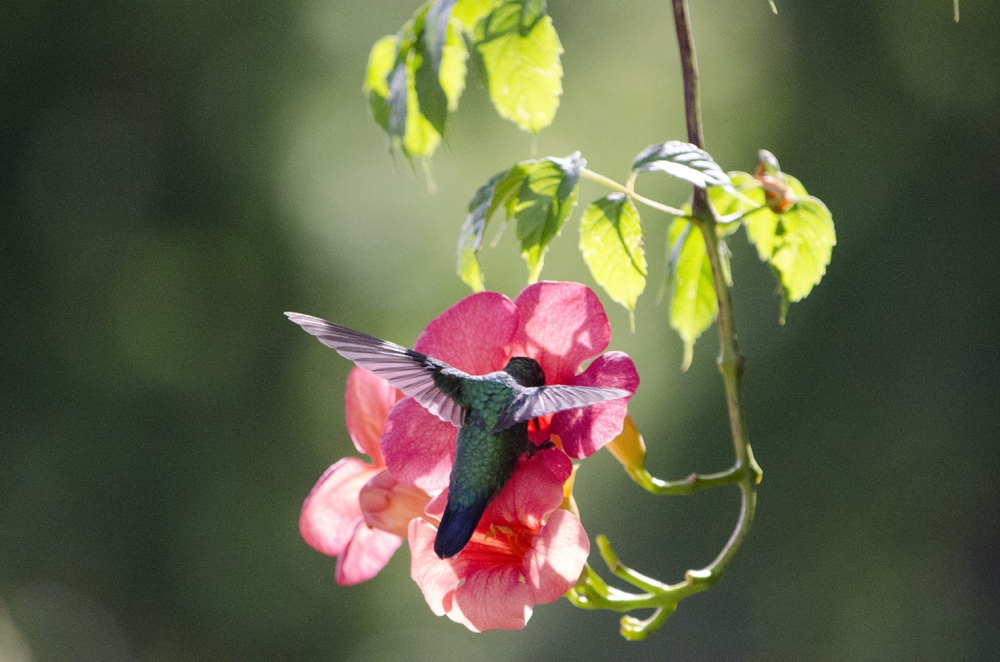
x: 681, y: 160
x: 430, y: 96
x: 393, y: 96
x: 469, y: 12
x: 693, y: 305
x: 611, y: 243
x: 539, y: 194
x: 762, y: 226
x: 806, y: 239
x: 381, y: 60
x: 435, y: 34
x: 519, y: 50
x: 453, y: 68
x: 484, y: 203
x: 396, y: 103
x: 797, y: 244
x: 420, y: 137
x: 542, y: 204
x: 414, y: 79
x: 743, y: 198
x: 440, y: 79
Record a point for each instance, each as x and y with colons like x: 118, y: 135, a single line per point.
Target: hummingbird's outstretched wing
x: 541, y: 400
x: 432, y: 383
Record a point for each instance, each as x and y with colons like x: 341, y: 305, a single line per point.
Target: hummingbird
x: 491, y: 413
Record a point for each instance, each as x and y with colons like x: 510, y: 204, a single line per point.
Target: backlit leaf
x: 420, y: 138
x: 381, y: 60
x: 762, y: 226
x: 435, y: 35
x: 804, y: 246
x: 469, y: 12
x: 797, y: 244
x: 519, y: 50
x: 414, y: 79
x: 453, y: 65
x: 611, y: 244
x: 440, y: 79
x: 430, y: 96
x: 693, y: 305
x: 542, y: 204
x: 484, y: 203
x: 745, y: 195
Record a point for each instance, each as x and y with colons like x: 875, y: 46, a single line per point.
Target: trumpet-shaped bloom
x: 357, y: 511
x: 525, y: 551
x: 560, y: 325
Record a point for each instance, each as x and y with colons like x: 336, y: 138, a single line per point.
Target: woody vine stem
x: 730, y: 361
x: 591, y: 592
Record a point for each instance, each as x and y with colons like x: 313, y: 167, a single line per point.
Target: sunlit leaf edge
x: 612, y: 248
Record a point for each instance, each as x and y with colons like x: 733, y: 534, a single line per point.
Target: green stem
x: 627, y: 190
x: 688, y: 485
x: 621, y: 571
x: 740, y: 215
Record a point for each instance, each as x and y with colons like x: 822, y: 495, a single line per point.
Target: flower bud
x: 569, y: 503
x: 629, y: 448
x: 777, y: 193
x: 389, y: 505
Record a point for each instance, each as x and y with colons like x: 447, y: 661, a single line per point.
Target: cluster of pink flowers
x: 527, y: 549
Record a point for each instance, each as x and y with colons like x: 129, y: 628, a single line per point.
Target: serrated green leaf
x: 430, y: 95
x: 693, y: 304
x: 470, y: 12
x: 413, y: 78
x: 762, y: 226
x: 797, y: 244
x: 397, y: 101
x: 470, y: 238
x: 611, y: 244
x: 420, y: 138
x: 681, y: 160
x: 743, y: 196
x: 806, y: 243
x: 484, y: 203
x: 380, y: 62
x: 542, y: 204
x: 453, y: 65
x: 399, y: 112
x: 440, y: 79
x: 519, y: 50
x: 794, y: 184
x: 436, y: 23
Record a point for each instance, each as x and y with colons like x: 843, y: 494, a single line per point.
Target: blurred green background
x: 175, y: 174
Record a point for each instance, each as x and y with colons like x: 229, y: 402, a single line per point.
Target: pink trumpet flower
x: 357, y: 511
x: 525, y: 551
x: 560, y: 325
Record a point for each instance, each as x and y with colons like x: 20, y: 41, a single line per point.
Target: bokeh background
x: 175, y: 174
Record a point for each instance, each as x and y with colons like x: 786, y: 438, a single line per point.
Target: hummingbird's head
x: 525, y: 371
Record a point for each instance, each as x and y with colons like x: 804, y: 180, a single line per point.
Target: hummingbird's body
x: 491, y: 411
x: 484, y: 459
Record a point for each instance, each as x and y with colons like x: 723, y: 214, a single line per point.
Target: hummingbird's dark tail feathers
x: 457, y: 526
